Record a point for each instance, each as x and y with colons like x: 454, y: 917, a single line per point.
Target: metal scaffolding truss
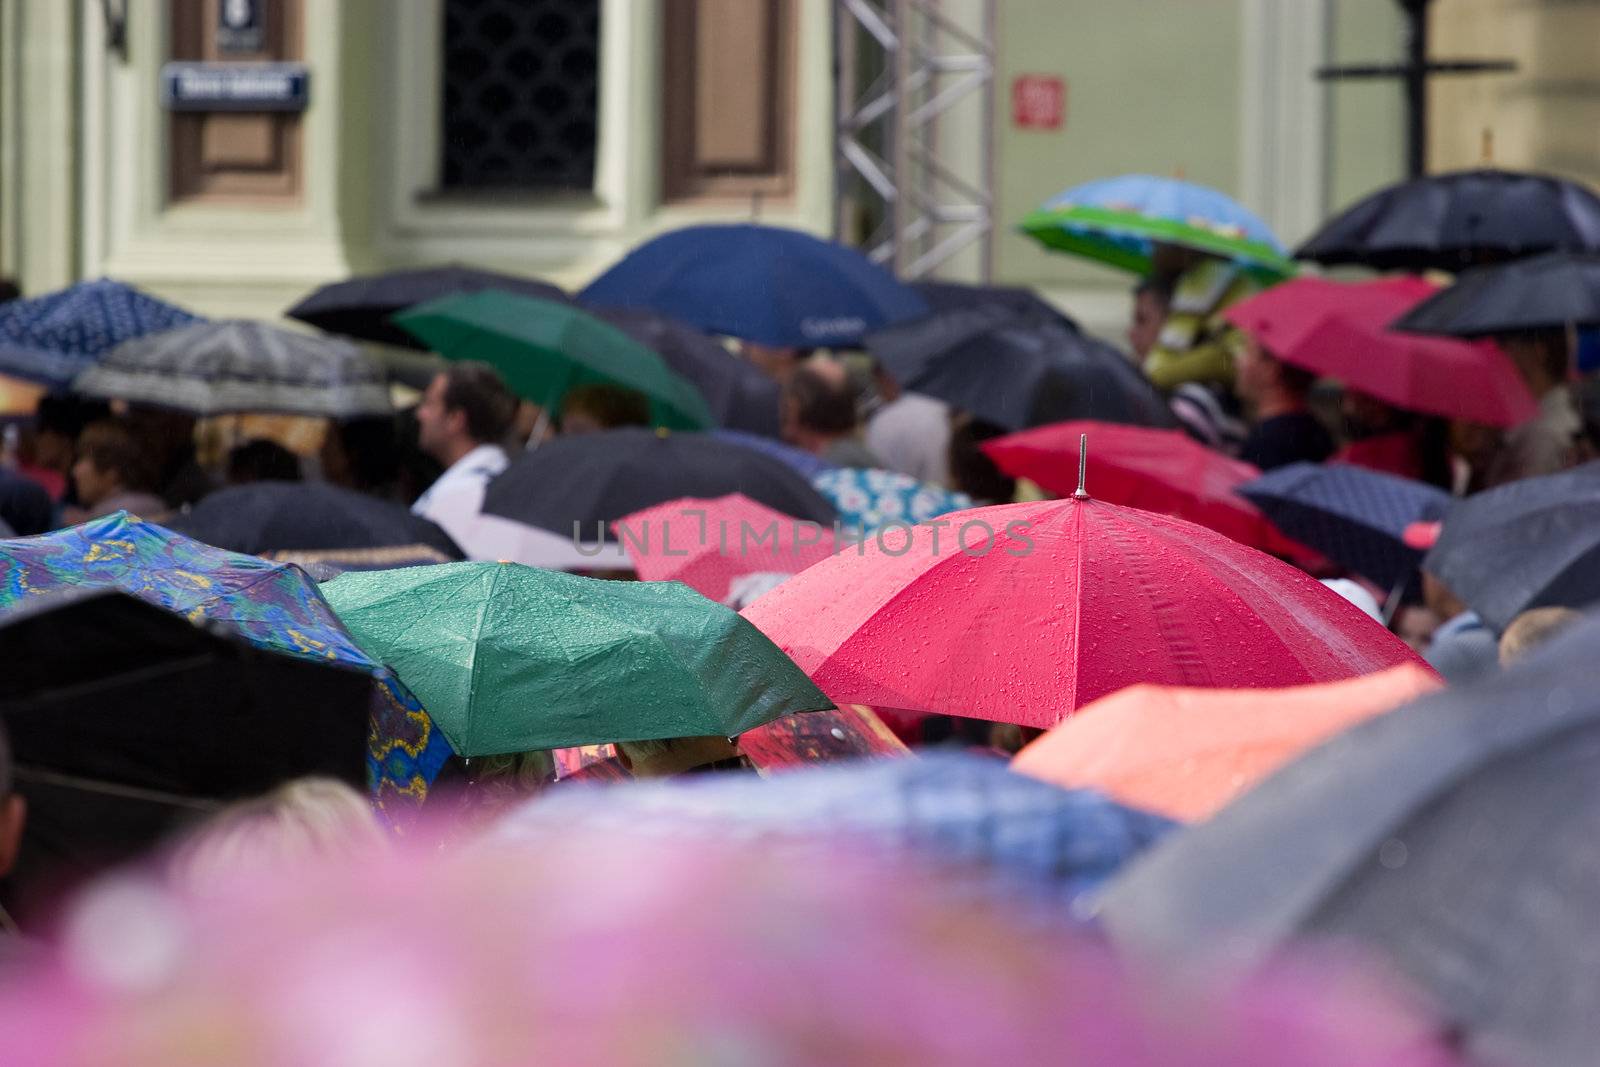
x: 914, y: 131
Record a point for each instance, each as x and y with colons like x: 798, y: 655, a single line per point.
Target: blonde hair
x: 305, y: 819
x: 1531, y: 629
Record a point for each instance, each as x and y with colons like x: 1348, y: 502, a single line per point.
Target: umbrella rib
x: 29, y: 773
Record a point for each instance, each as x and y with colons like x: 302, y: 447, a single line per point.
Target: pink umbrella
x: 1024, y: 612
x: 709, y: 543
x: 619, y: 951
x: 1342, y: 330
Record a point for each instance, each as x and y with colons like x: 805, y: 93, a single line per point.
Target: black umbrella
x: 1529, y: 544
x: 360, y: 307
x: 1453, y: 221
x: 266, y: 517
x: 1457, y: 838
x: 739, y: 394
x: 1549, y: 292
x: 597, y: 478
x: 1016, y: 301
x: 1017, y: 374
x: 127, y: 719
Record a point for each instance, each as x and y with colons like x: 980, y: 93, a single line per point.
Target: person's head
x: 261, y: 460
x: 1152, y: 298
x: 1266, y: 381
x: 1541, y: 357
x: 674, y: 755
x: 818, y: 405
x: 13, y: 811
x: 362, y: 454
x: 300, y: 821
x: 971, y: 470
x: 1364, y: 415
x: 1168, y: 261
x: 9, y: 289
x: 57, y: 421
x: 591, y: 408
x: 109, y: 461
x: 466, y: 405
x: 1533, y: 628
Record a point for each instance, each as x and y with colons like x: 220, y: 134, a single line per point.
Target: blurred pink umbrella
x: 707, y: 543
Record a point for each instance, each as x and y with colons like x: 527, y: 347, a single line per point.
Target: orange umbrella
x: 1186, y: 753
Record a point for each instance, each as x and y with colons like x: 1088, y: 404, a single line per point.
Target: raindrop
x: 1392, y: 854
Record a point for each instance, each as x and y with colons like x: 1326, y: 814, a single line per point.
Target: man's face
x: 435, y: 422
x: 1149, y: 315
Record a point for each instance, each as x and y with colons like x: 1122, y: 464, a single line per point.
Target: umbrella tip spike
x: 1083, y: 467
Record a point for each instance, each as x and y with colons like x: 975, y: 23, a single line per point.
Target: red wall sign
x: 1038, y: 101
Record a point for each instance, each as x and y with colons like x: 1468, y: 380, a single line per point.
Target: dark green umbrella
x: 544, y: 349
x: 508, y: 658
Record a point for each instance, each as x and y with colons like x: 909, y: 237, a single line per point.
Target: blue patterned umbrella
x: 1354, y: 516
x: 867, y: 499
x: 996, y: 829
x: 271, y: 605
x: 48, y: 339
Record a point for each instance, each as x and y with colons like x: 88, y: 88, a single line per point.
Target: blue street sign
x: 235, y: 86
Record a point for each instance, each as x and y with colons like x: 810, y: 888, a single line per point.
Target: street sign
x: 235, y: 86
x: 1038, y: 101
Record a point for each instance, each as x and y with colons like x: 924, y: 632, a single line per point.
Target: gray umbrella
x: 217, y: 368
x: 1458, y: 838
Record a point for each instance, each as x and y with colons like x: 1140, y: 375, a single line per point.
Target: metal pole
x: 1416, y: 78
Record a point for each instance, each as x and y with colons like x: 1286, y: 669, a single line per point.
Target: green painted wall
x: 1366, y: 118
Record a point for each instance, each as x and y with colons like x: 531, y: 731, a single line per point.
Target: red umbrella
x: 1052, y: 604
x: 1158, y: 470
x: 708, y: 543
x: 1341, y: 330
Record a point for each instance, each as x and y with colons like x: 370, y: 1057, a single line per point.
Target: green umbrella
x: 508, y: 658
x: 544, y: 349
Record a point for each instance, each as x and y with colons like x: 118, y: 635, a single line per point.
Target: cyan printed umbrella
x: 868, y: 499
x: 49, y: 339
x: 765, y: 284
x: 1118, y: 221
x: 511, y: 658
x: 272, y: 605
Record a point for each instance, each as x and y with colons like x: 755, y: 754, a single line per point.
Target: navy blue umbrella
x: 1354, y: 516
x: 805, y: 464
x: 995, y: 829
x: 48, y: 339
x: 759, y: 283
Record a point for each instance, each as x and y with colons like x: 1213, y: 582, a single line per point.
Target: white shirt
x: 911, y: 434
x: 475, y: 469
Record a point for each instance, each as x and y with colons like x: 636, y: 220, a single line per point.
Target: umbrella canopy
x: 1529, y: 544
x: 1550, y: 292
x: 740, y: 395
x: 323, y: 564
x: 510, y: 658
x: 49, y: 339
x: 1455, y: 839
x: 1016, y: 301
x: 126, y: 719
x: 274, y: 606
x: 806, y: 464
x: 760, y: 283
x: 544, y: 349
x: 216, y: 368
x: 1118, y: 221
x: 1017, y: 374
x: 1166, y: 471
x: 1452, y: 221
x: 708, y: 544
x: 266, y: 517
x: 586, y: 483
x: 1025, y: 612
x: 1342, y: 330
x: 867, y: 499
x: 362, y: 307
x: 1354, y: 516
x: 988, y: 825
x: 1185, y: 753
